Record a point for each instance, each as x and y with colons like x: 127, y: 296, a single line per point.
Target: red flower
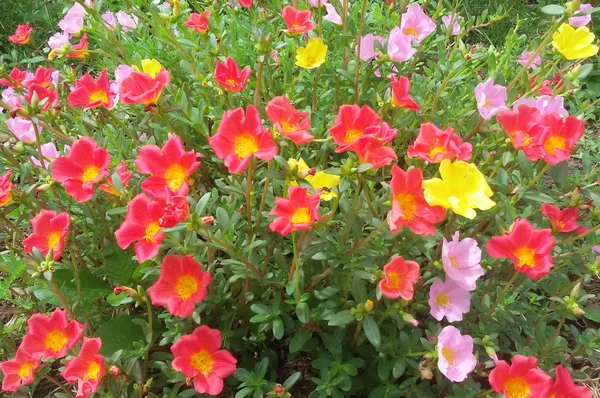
x: 124, y: 176
x: 49, y: 233
x: 46, y: 96
x: 246, y: 3
x: 87, y: 368
x: 237, y: 140
x: 372, y: 150
x: 564, y: 387
x: 80, y: 48
x: 181, y: 285
x: 297, y: 21
x: 85, y: 165
x: 229, y: 76
x: 5, y: 188
x: 198, y: 22
x: 18, y: 371
x: 400, y: 277
x: 170, y: 167
x: 288, y: 121
x: 176, y: 211
x: 198, y: 356
x: 51, y: 337
x: 42, y: 77
x: 296, y: 213
x: 530, y: 249
x: 145, y: 87
x: 16, y: 78
x: 89, y: 93
x: 563, y: 220
x: 524, y: 130
x: 561, y: 136
x: 521, y: 379
x: 386, y: 133
x: 352, y: 123
x: 400, y: 96
x: 434, y: 145
x: 142, y: 225
x: 22, y: 35
x: 409, y: 206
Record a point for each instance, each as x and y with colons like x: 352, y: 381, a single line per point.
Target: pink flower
x: 290, y: 122
x: 415, y: 24
x: 87, y: 368
x: 18, y: 371
x: 50, y: 231
x: 121, y: 73
x: 455, y: 352
x: 332, y: 15
x: 400, y: 47
x: 434, y: 145
x: 49, y: 152
x: 451, y: 20
x: 461, y: 261
x: 491, y: 98
x: 316, y: 3
x: 526, y: 56
x: 22, y: 129
x: 583, y: 20
x: 563, y: 220
x: 367, y: 47
x: 127, y: 22
x: 449, y: 300
x: 298, y: 212
x: 58, y: 40
x: 400, y: 278
x: 544, y: 104
x: 11, y: 97
x: 72, y: 22
x: 110, y: 19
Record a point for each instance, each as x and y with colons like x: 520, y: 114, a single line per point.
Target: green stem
x: 357, y: 332
x: 147, y: 355
x: 248, y: 196
x: 297, y: 268
x: 556, y: 333
x: 38, y: 143
x: 501, y: 296
x: 367, y: 239
x: 359, y: 42
x: 581, y: 235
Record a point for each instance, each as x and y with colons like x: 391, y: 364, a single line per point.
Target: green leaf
x: 119, y: 334
x: 399, y: 367
x: 526, y: 165
x: 290, y: 381
x: 118, y: 299
x: 538, y: 196
x: 553, y: 9
x: 592, y: 314
x: 371, y: 330
x: 299, y: 339
x: 560, y: 172
x: 118, y: 265
x: 92, y: 287
x: 278, y: 328
x: 243, y: 375
x: 342, y: 318
x: 303, y: 312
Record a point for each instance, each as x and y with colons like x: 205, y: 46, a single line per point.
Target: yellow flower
x: 149, y: 66
x: 462, y: 188
x: 313, y: 55
x: 574, y: 43
x: 321, y: 181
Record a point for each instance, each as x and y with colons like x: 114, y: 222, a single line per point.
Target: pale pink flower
x: 451, y: 20
x: 22, y: 129
x: 315, y: 3
x: 367, y: 47
x: 400, y: 47
x: 72, y: 22
x: 461, y: 261
x: 11, y: 97
x: 58, y: 40
x: 596, y: 248
x: 110, y: 19
x: 416, y: 24
x: 332, y: 14
x: 583, y: 20
x: 455, y: 353
x: 447, y: 299
x: 491, y: 98
x: 544, y: 104
x: 127, y: 22
x: 49, y: 152
x: 526, y: 56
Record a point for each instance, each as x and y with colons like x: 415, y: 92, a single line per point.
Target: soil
x: 304, y: 386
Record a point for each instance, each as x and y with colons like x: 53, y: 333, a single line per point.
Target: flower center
x: 301, y: 216
x: 25, y: 369
x: 6, y: 199
x: 436, y: 150
x: 151, y: 230
x: 99, y: 96
x: 517, y: 388
x: 352, y: 135
x: 287, y: 127
x: 442, y: 300
x: 553, y: 143
x: 449, y: 355
x: 411, y: 31
x: 526, y: 256
x: 90, y: 174
x: 245, y: 145
x: 92, y: 372
x: 175, y: 176
x: 454, y: 262
x: 559, y: 225
x: 202, y: 361
x: 408, y: 205
x: 186, y: 286
x: 54, y: 239
x: 231, y: 82
x: 394, y: 280
x: 55, y: 340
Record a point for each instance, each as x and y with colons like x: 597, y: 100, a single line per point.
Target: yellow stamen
x: 449, y: 355
x: 245, y: 145
x: 175, y: 176
x: 90, y: 174
x: 92, y: 372
x: 202, y: 361
x: 54, y: 239
x: 55, y: 340
x: 555, y: 142
x: 151, y: 230
x: 442, y: 300
x: 526, y: 256
x: 517, y: 388
x: 186, y: 286
x: 352, y: 135
x: 408, y: 205
x: 99, y: 95
x: 301, y: 216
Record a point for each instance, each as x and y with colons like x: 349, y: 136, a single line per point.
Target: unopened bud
x: 18, y: 147
x: 575, y: 291
x: 124, y: 289
x: 43, y: 187
x: 176, y: 8
x: 575, y: 309
x: 368, y: 305
x: 279, y: 389
x: 426, y: 373
x: 304, y: 173
x: 208, y: 220
x: 409, y: 318
x: 114, y: 371
x: 490, y: 351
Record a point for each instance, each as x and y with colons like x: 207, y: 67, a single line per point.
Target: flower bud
x: 575, y: 309
x: 490, y: 351
x: 18, y: 147
x: 124, y: 289
x: 368, y: 305
x: 208, y: 220
x: 575, y: 291
x: 114, y: 371
x: 304, y: 173
x: 426, y: 373
x: 409, y: 318
x: 176, y: 8
x: 279, y: 389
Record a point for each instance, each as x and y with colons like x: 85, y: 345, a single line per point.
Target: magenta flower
x: 415, y: 24
x: 526, y: 56
x: 58, y: 40
x: 583, y: 20
x: 544, y: 104
x: 49, y: 152
x: 367, y: 47
x: 491, y: 98
x: 447, y: 299
x: 461, y: 261
x: 451, y: 20
x: 400, y: 47
x: 22, y: 129
x: 455, y: 352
